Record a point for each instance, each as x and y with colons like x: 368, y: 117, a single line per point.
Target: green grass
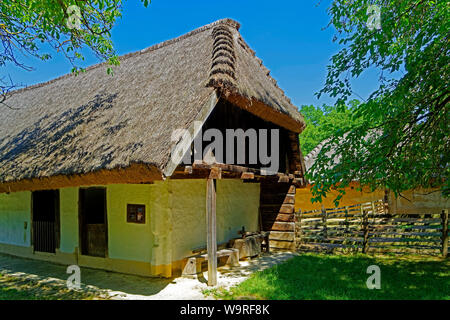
x: 339, y: 277
x: 20, y: 288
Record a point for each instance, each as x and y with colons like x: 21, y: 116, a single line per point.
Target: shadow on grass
x: 14, y: 294
x: 18, y: 288
x: 314, y: 276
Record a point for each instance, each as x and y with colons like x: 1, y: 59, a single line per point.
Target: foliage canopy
x: 323, y: 122
x: 28, y: 27
x: 402, y: 141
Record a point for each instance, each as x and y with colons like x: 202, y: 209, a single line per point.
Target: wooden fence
x: 370, y: 228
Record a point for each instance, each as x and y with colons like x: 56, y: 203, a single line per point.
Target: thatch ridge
x: 249, y: 78
x: 311, y: 157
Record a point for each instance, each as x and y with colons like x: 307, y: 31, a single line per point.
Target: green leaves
x: 323, y: 122
x: 67, y: 26
x: 146, y: 3
x: 402, y: 140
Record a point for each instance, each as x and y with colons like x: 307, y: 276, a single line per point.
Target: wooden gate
x: 44, y: 236
x: 93, y: 224
x: 45, y: 220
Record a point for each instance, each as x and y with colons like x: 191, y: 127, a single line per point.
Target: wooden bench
x: 194, y: 263
x: 252, y: 244
x: 234, y: 249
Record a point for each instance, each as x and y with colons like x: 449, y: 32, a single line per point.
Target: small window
x: 136, y: 213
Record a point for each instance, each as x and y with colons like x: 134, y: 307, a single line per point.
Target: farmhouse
x: 89, y: 166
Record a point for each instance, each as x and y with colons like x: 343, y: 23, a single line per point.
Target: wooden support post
x: 373, y: 210
x: 324, y: 221
x: 365, y: 229
x: 346, y: 225
x: 444, y: 217
x: 267, y: 241
x: 211, y: 231
x: 215, y: 173
x: 346, y: 221
x: 298, y: 228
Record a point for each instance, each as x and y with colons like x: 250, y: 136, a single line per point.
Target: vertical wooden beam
x: 298, y: 228
x: 373, y: 209
x: 324, y: 222
x: 365, y: 229
x: 444, y: 217
x: 346, y: 221
x: 211, y: 231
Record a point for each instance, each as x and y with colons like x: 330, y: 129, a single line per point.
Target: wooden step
x: 281, y: 236
x: 278, y: 226
x: 283, y: 245
x: 284, y: 208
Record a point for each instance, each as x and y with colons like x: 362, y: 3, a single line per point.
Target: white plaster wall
x: 188, y: 204
x: 175, y: 218
x: 128, y: 241
x: 237, y: 206
x: 68, y: 199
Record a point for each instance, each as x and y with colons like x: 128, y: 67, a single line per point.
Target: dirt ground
x: 113, y: 285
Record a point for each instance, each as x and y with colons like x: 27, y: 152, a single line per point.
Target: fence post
x: 365, y: 225
x: 346, y: 220
x: 298, y: 228
x: 444, y: 217
x: 324, y: 221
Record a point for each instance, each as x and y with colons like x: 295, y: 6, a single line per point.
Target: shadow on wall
x: 352, y: 196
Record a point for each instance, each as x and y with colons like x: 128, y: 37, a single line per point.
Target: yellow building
x: 90, y: 172
x: 352, y: 196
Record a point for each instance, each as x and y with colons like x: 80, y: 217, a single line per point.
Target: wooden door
x: 45, y: 221
x: 93, y: 222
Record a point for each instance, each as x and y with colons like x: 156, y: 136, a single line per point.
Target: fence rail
x: 369, y: 228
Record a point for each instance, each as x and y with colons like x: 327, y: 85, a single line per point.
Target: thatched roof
x: 311, y: 157
x: 94, y: 121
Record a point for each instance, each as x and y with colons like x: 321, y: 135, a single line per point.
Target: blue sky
x: 287, y: 35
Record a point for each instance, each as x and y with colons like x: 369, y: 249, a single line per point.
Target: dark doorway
x: 45, y: 220
x: 93, y: 222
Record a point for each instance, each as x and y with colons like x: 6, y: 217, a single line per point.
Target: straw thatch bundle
x: 76, y: 125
